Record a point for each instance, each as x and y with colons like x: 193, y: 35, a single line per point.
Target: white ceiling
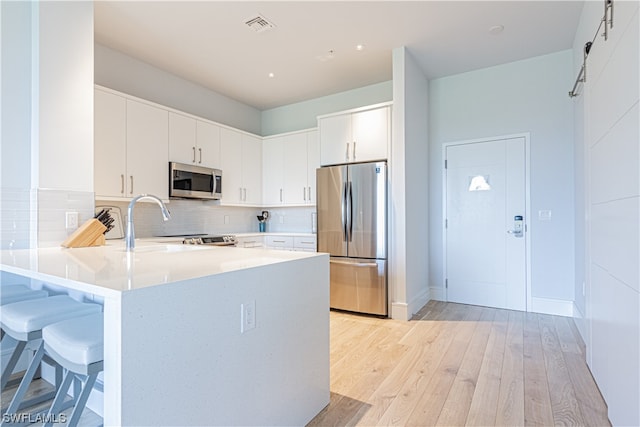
x: 208, y: 43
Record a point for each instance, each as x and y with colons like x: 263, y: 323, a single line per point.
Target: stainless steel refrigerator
x: 352, y: 228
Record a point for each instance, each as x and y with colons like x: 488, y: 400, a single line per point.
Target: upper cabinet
x: 355, y: 136
x: 193, y: 141
x: 135, y: 140
x: 289, y: 165
x: 241, y: 164
x: 131, y: 147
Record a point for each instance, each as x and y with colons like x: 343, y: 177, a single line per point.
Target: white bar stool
x: 78, y: 346
x: 9, y: 295
x: 15, y: 293
x: 24, y: 321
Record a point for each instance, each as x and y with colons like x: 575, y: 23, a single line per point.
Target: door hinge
x: 445, y: 163
x: 446, y: 283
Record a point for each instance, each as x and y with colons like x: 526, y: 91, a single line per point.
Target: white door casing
x: 485, y: 189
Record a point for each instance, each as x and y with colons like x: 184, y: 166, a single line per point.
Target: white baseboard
x: 556, y: 307
x: 404, y: 311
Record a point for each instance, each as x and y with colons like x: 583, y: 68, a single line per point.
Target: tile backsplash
x: 36, y: 217
x: 206, y: 217
x: 15, y: 218
x: 30, y: 218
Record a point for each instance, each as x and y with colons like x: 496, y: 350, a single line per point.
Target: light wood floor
x: 39, y: 387
x: 456, y: 365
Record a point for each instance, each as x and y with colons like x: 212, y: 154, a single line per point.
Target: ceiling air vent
x: 258, y: 23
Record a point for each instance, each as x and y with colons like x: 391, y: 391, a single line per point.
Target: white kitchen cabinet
x: 182, y: 139
x: 279, y: 242
x: 305, y: 244
x: 295, y: 170
x: 355, y: 136
x: 208, y: 144
x: 273, y: 171
x: 193, y: 142
x: 130, y: 147
x: 147, y: 150
x: 289, y: 164
x: 110, y: 144
x: 250, y: 241
x: 241, y: 164
x: 252, y: 169
x: 313, y: 163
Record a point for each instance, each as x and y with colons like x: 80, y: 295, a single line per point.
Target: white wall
x: 15, y: 146
x: 126, y: 74
x: 64, y: 91
x: 409, y: 202
x: 608, y: 110
x: 47, y: 132
x: 302, y: 115
x: 523, y: 96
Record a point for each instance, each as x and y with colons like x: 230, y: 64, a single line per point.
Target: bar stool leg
x: 82, y: 400
x: 56, y: 406
x: 13, y: 361
x: 26, y: 380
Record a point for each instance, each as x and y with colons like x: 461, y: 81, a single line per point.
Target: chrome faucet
x: 130, y: 235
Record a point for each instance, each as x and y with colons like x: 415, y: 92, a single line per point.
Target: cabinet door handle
x: 278, y: 241
x: 194, y: 154
x: 304, y: 193
x: 121, y: 183
x: 281, y: 195
x: 309, y: 193
x: 131, y: 189
x: 346, y: 154
x: 200, y: 150
x: 240, y: 193
x: 354, y: 150
x: 244, y: 199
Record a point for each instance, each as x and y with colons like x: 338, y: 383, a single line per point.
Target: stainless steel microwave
x: 194, y: 182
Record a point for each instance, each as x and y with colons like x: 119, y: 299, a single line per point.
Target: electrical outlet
x: 226, y: 219
x: 247, y: 316
x: 71, y: 220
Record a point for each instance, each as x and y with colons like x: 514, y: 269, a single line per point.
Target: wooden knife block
x: 91, y: 233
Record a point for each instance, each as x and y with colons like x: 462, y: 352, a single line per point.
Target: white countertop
x: 109, y: 270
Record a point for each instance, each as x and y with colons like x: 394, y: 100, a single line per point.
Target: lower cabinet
x: 279, y: 242
x: 285, y: 242
x: 305, y: 244
x: 250, y: 241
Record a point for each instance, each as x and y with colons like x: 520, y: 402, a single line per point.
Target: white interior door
x: 485, y: 223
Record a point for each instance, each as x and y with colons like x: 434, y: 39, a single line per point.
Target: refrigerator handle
x: 350, y: 213
x: 343, y: 205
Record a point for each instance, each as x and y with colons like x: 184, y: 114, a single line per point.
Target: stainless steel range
x: 224, y: 240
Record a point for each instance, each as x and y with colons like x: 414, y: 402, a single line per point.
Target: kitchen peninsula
x: 201, y: 335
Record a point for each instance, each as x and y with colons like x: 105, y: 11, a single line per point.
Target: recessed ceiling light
x: 496, y: 29
x: 360, y: 47
x: 271, y: 75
